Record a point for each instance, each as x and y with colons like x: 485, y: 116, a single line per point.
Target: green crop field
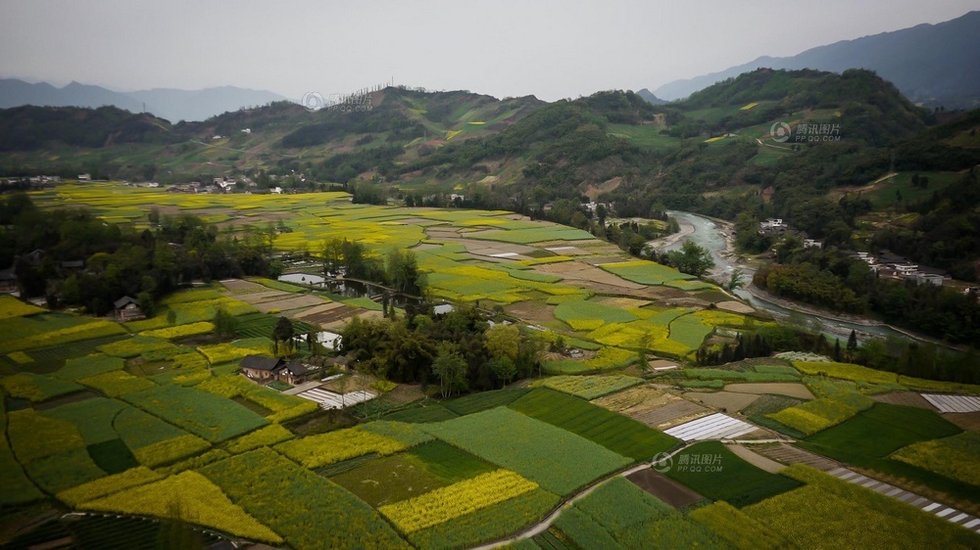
x: 621, y: 515
x: 151, y: 419
x: 307, y: 510
x: 715, y: 472
x: 198, y: 412
x: 616, y: 432
x: 869, y: 438
x: 828, y: 509
x: 527, y: 446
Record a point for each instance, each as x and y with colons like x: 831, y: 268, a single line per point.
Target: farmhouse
x: 267, y: 369
x: 126, y: 309
x: 261, y: 368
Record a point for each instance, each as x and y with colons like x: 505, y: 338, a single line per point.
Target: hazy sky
x: 551, y: 49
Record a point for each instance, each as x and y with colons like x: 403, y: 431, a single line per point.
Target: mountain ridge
x: 171, y: 104
x: 926, y: 62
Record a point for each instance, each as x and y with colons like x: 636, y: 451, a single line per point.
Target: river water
x: 715, y: 237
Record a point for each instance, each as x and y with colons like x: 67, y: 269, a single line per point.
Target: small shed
x: 127, y: 309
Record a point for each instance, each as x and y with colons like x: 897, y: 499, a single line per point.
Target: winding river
x: 718, y: 238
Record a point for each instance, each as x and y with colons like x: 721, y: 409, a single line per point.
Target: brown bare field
x: 581, y: 271
x: 635, y: 400
x: 664, y: 488
x: 747, y: 454
x: 532, y: 311
x: 736, y: 307
x: 238, y: 286
x: 724, y: 401
x: 265, y: 296
x: 296, y: 302
x: 967, y: 421
x: 340, y: 322
x: 789, y: 389
x: 788, y: 454
x: 672, y: 414
x: 622, y: 302
x: 405, y: 393
x: 907, y: 398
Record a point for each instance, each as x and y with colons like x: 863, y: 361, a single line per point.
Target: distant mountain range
x: 650, y: 97
x: 930, y: 64
x: 173, y: 105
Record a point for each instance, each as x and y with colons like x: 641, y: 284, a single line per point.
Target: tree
x: 450, y: 367
x: 172, y: 317
x: 283, y: 332
x: 852, y: 344
x: 224, y: 323
x: 737, y: 279
x: 504, y: 369
x: 503, y: 341
x: 691, y: 259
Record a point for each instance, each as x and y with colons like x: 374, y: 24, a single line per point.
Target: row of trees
x: 460, y: 350
x: 73, y: 258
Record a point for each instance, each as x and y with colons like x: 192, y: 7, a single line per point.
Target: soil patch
x: 789, y: 389
x: 724, y: 401
x: 664, y: 488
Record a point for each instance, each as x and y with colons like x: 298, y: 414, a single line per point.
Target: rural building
x: 127, y: 309
x: 267, y: 369
x: 8, y: 281
x: 293, y: 373
x: 261, y: 368
x: 773, y: 225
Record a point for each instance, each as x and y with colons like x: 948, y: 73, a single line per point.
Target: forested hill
x: 804, y: 145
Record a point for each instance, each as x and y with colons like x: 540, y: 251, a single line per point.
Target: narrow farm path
x: 544, y: 524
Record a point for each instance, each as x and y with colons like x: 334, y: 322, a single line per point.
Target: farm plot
x: 673, y: 412
x: 487, y: 524
x: 714, y: 471
x: 153, y: 441
x: 12, y: 307
x: 233, y: 351
x: 323, y: 449
x: 607, y: 358
x: 330, y: 400
x: 461, y: 498
x: 199, y: 412
x: 871, y: 436
x: 618, y: 433
x: 836, y: 403
x: 482, y: 401
x: 645, y: 272
x: 50, y: 329
x: 589, y: 387
x: 389, y: 479
x: 188, y: 496
x: 526, y: 446
x: 280, y: 406
x: 828, y: 509
x: 36, y: 387
x: 955, y: 457
x: 620, y: 515
x: 953, y: 403
x: 713, y: 426
x: 723, y: 400
x: 736, y: 527
x: 15, y: 487
x: 270, y: 486
x: 89, y: 365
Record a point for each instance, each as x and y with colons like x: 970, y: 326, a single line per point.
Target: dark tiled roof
x: 296, y: 369
x: 123, y: 302
x: 258, y: 362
